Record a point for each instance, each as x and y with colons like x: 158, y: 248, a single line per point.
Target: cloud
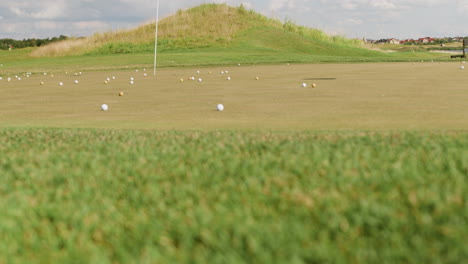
x: 355, y: 18
x: 47, y: 25
x: 90, y: 25
x: 39, y: 10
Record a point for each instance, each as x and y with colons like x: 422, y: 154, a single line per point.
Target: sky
x: 371, y: 19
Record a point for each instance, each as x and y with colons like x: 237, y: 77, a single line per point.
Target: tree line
x: 7, y: 43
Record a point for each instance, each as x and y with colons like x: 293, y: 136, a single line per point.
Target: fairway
x: 367, y: 167
x: 371, y: 96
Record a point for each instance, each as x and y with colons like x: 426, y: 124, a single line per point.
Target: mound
x: 201, y: 27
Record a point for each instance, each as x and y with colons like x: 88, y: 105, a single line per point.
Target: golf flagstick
x: 156, y: 37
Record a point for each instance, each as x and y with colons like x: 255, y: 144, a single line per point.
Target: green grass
x: 212, y: 34
x: 241, y: 52
x: 129, y: 196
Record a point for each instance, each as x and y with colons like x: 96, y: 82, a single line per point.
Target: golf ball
x: 76, y: 81
x: 131, y: 82
x: 314, y: 85
x: 61, y: 84
x: 462, y: 67
x: 104, y: 107
x: 304, y: 85
x: 220, y: 107
x: 228, y: 78
x: 200, y: 80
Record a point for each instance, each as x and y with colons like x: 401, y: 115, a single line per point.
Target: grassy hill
x: 206, y: 26
x: 205, y: 35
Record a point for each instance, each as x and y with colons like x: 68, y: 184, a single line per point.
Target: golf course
x: 326, y: 151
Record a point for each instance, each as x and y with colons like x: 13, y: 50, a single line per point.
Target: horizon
x: 352, y: 19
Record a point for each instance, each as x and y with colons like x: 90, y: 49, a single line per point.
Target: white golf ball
x: 76, y: 81
x: 462, y: 67
x: 132, y: 79
x: 304, y: 85
x: 61, y: 84
x: 104, y: 107
x: 228, y: 78
x: 1, y: 78
x: 200, y: 80
x: 113, y: 77
x: 131, y: 82
x: 19, y: 79
x: 145, y: 74
x: 220, y: 107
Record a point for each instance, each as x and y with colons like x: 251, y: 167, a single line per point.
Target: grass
x: 204, y: 26
x: 241, y: 52
x: 369, y: 167
x: 424, y: 96
x: 130, y: 196
x: 194, y: 37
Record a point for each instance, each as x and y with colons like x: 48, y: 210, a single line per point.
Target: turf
x: 403, y: 96
x: 129, y: 196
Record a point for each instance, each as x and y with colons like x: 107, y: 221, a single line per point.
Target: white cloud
x: 276, y: 5
x: 48, y: 25
x: 355, y: 18
x: 91, y: 25
x: 247, y: 5
x: 354, y: 22
x: 40, y: 10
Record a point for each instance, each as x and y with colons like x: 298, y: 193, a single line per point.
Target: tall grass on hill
x: 204, y: 26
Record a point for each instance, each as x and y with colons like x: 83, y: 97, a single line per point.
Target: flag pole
x: 156, y: 36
